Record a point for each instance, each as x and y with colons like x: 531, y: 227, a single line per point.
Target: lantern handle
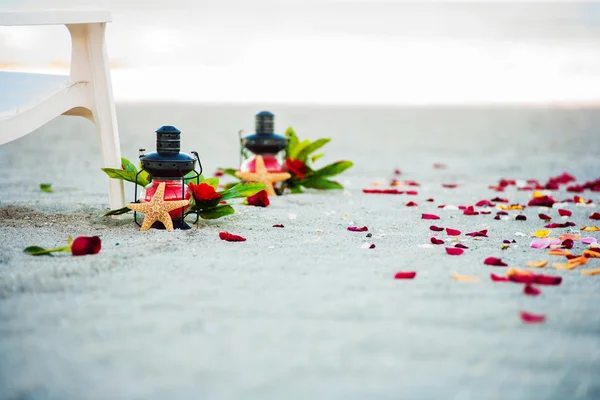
x: 199, y: 163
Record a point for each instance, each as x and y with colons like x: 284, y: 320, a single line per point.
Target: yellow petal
x: 558, y: 252
x: 590, y: 271
x: 516, y: 271
x: 590, y: 228
x: 542, y: 233
x: 537, y: 264
x: 537, y: 194
x: 464, y: 278
x: 564, y: 266
x: 504, y: 246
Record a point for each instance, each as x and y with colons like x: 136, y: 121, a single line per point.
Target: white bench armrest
x: 53, y: 17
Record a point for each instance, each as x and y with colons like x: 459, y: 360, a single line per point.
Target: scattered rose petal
x: 521, y: 217
x: 590, y: 228
x: 496, y: 262
x: 412, y: 192
x: 436, y: 228
x: 405, y: 275
x: 260, y: 199
x: 452, y: 232
x: 558, y: 252
x: 595, y: 216
x: 566, y: 266
x: 372, y: 246
x: 454, y: 251
x: 383, y: 191
x: 411, y: 204
x: 482, y: 233
x: 542, y: 233
x: 464, y: 278
x: 567, y: 243
x: 590, y: 271
x: 357, y: 229
x: 484, y: 203
x: 545, y: 217
x: 429, y: 216
x: 537, y: 264
x: 449, y: 185
x: 547, y: 279
x: 499, y: 200
x: 592, y: 253
x: 497, y: 278
x: 542, y: 201
x: 502, y: 213
x: 230, y: 237
x: 430, y: 200
x: 540, y: 243
x: 439, y: 166
x: 530, y: 318
x: 470, y: 211
x: 530, y: 290
x: 84, y: 245
x: 564, y: 213
x: 397, y: 171
x: 571, y: 236
x: 589, y: 240
x: 436, y: 241
x: 555, y: 225
x: 460, y: 246
x: 278, y: 226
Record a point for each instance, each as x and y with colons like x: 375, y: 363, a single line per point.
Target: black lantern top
x: 265, y: 140
x: 167, y: 162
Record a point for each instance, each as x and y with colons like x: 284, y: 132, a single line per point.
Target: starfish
x: 263, y: 176
x: 158, y: 209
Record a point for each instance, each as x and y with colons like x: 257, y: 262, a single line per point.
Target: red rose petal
x: 230, y: 237
x: 547, y: 279
x: 439, y: 166
x: 470, y: 211
x: 521, y: 217
x: 84, y: 245
x: 296, y: 167
x: 555, y: 225
x: 278, y: 226
x: 452, y: 232
x: 532, y: 318
x: 411, y: 204
x: 482, y: 233
x: 497, y: 278
x: 543, y: 201
x: 484, y: 203
x: 460, y: 246
x: 436, y: 228
x: 531, y: 290
x: 564, y: 213
x: 372, y: 246
x: 567, y: 243
x: 357, y: 229
x: 405, y: 275
x: 260, y: 199
x: 382, y: 191
x: 545, y: 217
x: 499, y: 200
x: 436, y: 241
x: 454, y: 251
x: 522, y: 278
x: 450, y: 185
x: 430, y: 200
x: 429, y: 216
x: 218, y: 173
x: 412, y: 192
x: 397, y: 171
x: 496, y: 262
x: 595, y: 216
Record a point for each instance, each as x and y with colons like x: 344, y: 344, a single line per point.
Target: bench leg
x: 89, y: 62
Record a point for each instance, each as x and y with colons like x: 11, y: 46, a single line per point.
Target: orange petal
x: 542, y: 233
x: 464, y: 278
x: 571, y: 236
x: 558, y: 252
x: 537, y: 264
x: 590, y: 271
x: 566, y: 266
x: 577, y: 261
x: 516, y: 271
x: 591, y: 254
x: 590, y: 228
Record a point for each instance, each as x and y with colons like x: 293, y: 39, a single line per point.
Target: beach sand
x: 304, y: 311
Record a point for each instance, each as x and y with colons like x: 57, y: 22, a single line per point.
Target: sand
x: 302, y: 311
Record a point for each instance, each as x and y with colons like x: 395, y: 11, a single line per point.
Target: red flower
x: 357, y: 229
x: 204, y: 192
x: 296, y: 167
x: 230, y: 237
x: 405, y: 275
x: 496, y: 262
x: 260, y: 199
x: 84, y: 245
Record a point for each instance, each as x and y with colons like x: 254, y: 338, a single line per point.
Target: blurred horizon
x: 333, y: 51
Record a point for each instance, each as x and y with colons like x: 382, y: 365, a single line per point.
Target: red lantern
x: 264, y: 142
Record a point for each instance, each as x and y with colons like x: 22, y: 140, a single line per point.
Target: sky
x: 333, y: 51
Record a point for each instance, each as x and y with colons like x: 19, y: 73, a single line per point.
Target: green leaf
x: 214, y: 182
x: 311, y: 148
x: 333, y: 169
x: 321, y: 183
x: 293, y: 139
x: 229, y: 171
x: 229, y: 185
x: 126, y: 175
x: 316, y: 157
x: 46, y: 187
x: 217, y: 212
x: 243, y: 190
x: 36, y: 251
x: 127, y: 165
x: 293, y: 154
x: 190, y: 177
x: 144, y: 177
x: 118, y: 211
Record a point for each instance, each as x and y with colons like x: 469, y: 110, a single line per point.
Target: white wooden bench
x: 28, y: 101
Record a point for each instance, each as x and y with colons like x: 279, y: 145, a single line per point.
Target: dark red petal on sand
x: 454, y: 251
x: 430, y: 200
x: 460, y: 246
x: 452, y: 232
x: 497, y: 278
x: 545, y: 217
x: 543, y: 201
x: 405, y: 275
x: 499, y: 200
x: 521, y: 217
x: 436, y: 228
x: 429, y: 216
x: 470, y: 211
x: 412, y: 192
x: 567, y: 243
x: 564, y: 213
x: 436, y: 241
x: 595, y: 216
x: 411, y: 204
x: 357, y: 229
x: 449, y: 185
x: 485, y: 212
x: 84, y: 245
x: 230, y: 237
x: 502, y: 213
x: 484, y: 203
x: 547, y: 279
x: 522, y: 278
x: 382, y: 191
x: 482, y: 233
x: 532, y: 318
x: 278, y: 226
x: 372, y: 246
x: 555, y: 225
x: 531, y: 290
x: 496, y: 262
